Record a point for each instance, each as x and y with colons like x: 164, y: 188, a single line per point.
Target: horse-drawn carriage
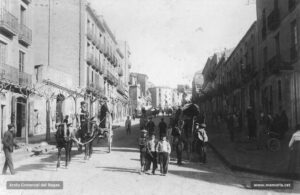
x: 184, y: 128
x: 84, y: 134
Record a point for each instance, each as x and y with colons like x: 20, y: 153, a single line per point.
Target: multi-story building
x: 230, y: 81
x: 162, y: 97
x: 16, y: 66
x: 77, y: 58
x: 140, y: 96
x: 278, y: 53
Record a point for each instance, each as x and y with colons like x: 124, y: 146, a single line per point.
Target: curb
x: 233, y: 167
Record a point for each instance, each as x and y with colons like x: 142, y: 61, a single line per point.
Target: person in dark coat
x: 102, y: 116
x: 8, y: 147
x: 162, y: 128
x: 294, y: 145
x: 150, y: 127
x: 143, y: 150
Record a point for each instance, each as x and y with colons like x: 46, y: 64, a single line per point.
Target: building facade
x: 278, y: 49
x: 16, y: 66
x: 54, y: 55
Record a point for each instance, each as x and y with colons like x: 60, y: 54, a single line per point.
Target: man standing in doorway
x: 8, y: 144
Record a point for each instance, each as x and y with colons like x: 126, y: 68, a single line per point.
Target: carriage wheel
x: 273, y: 144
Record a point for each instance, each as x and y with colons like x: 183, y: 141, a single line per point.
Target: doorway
x: 21, y: 116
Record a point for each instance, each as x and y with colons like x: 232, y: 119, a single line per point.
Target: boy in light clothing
x: 163, y: 150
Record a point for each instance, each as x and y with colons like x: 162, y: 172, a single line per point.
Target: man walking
x: 128, y: 126
x: 8, y: 144
x: 150, y: 127
x: 163, y: 150
x: 162, y: 128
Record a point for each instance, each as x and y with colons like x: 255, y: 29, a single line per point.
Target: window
x: 265, y: 56
x: 279, y: 91
x: 4, y: 4
x: 277, y: 45
x: 252, y: 56
x: 2, y: 53
x: 21, y: 61
x: 264, y: 25
x: 22, y: 15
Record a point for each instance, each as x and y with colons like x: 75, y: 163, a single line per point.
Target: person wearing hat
x: 150, y: 127
x: 162, y: 128
x: 163, y: 150
x: 201, y: 140
x: 8, y: 144
x: 143, y: 150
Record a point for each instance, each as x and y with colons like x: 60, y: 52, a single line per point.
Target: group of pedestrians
x: 154, y: 152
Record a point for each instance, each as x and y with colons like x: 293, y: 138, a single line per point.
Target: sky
x: 171, y: 39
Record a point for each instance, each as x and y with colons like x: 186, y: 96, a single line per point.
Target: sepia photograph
x: 149, y: 97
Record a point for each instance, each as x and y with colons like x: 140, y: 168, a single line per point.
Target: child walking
x: 163, y: 150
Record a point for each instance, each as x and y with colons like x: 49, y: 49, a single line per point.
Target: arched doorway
x: 21, y: 117
x: 59, y: 108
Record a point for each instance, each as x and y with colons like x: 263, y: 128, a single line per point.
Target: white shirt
x: 163, y: 146
x: 295, y: 137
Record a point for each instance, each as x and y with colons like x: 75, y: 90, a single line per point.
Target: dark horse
x: 63, y: 140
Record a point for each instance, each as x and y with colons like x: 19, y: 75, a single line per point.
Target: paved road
x: 118, y: 173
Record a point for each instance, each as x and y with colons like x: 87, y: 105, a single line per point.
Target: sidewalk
x: 244, y: 156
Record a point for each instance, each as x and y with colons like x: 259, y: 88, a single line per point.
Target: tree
x: 49, y: 94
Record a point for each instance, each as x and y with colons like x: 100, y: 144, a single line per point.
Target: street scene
x: 150, y: 97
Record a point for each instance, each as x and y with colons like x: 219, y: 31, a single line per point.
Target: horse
x: 63, y: 141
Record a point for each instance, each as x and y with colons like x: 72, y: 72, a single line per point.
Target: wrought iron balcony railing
x: 8, y: 23
x: 25, y: 79
x: 9, y: 74
x: 25, y: 35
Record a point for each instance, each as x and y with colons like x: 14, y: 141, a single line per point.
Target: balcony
x: 9, y: 74
x: 274, y: 19
x: 25, y: 79
x: 90, y: 59
x: 275, y: 65
x: 25, y: 35
x: 120, y: 87
x: 8, y: 23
